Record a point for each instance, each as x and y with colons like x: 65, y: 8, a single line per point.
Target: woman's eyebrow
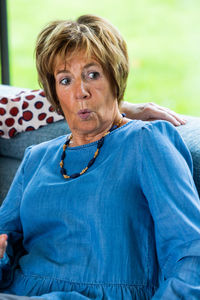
x: 91, y: 65
x: 62, y: 71
x: 85, y: 67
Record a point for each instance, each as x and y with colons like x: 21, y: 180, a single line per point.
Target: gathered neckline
x: 94, y: 143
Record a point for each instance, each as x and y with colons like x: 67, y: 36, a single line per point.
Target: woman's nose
x: 82, y: 90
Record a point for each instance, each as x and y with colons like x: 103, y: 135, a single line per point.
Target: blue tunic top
x: 129, y: 228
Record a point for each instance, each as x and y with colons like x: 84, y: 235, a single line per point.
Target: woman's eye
x: 65, y: 81
x: 93, y: 75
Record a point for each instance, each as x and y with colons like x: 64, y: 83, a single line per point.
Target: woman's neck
x: 80, y: 138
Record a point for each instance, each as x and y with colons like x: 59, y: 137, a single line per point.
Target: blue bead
x: 100, y: 142
x: 75, y: 175
x: 67, y: 142
x: 63, y: 171
x: 63, y: 156
x: 91, y: 162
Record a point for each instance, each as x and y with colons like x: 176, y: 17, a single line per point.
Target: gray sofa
x: 12, y: 150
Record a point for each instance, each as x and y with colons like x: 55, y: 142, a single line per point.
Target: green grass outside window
x: 163, y: 38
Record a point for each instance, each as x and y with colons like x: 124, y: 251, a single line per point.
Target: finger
x: 155, y: 112
x: 173, y: 117
x: 167, y: 117
x: 3, y: 244
x: 3, y: 250
x: 154, y: 109
x: 178, y: 117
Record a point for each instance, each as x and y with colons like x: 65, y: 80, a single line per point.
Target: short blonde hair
x: 96, y: 36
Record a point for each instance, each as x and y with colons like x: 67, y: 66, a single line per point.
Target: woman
x: 110, y: 211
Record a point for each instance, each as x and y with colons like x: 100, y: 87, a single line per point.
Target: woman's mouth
x: 84, y: 113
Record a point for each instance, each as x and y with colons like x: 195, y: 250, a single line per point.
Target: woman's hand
x: 3, y: 244
x: 151, y: 111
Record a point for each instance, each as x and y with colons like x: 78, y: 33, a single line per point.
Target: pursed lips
x: 84, y: 113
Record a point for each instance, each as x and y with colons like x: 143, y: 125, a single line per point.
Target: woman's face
x: 85, y: 95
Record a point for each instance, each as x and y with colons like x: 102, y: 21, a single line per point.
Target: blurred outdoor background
x: 163, y: 38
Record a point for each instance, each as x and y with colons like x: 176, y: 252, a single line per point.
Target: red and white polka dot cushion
x: 26, y: 111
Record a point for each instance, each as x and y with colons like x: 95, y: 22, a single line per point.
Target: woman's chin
x: 85, y: 127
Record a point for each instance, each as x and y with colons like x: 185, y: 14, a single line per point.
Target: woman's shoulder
x: 149, y: 128
x: 163, y: 137
x: 158, y: 131
x: 50, y: 146
x: 40, y: 154
x: 152, y: 129
x: 157, y: 135
x: 149, y: 125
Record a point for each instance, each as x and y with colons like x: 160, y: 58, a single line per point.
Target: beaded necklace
x: 99, y: 145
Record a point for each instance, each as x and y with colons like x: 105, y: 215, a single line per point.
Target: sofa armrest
x: 190, y: 133
x: 16, y: 146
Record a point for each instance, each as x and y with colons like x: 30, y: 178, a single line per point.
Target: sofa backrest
x: 191, y: 135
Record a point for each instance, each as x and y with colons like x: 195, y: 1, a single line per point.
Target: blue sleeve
x: 167, y: 183
x: 11, y: 225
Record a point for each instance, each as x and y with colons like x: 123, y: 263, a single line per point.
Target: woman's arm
x: 167, y: 183
x: 11, y: 235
